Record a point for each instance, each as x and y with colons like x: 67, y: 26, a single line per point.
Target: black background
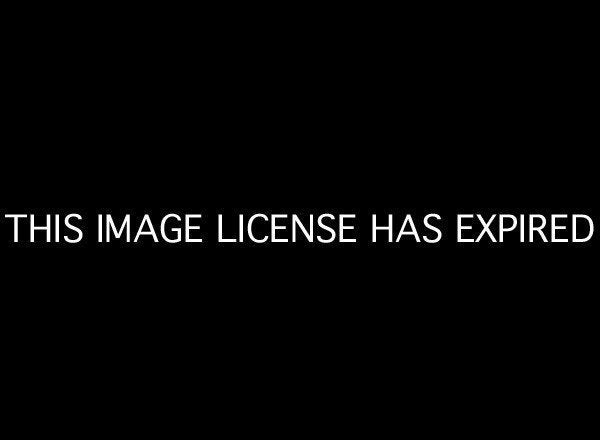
x: 386, y: 112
